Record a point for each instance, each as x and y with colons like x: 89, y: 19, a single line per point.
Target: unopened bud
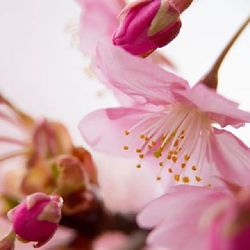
x: 147, y: 25
x: 36, y: 218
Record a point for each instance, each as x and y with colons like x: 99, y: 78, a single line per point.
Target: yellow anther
x: 161, y: 163
x: 174, y: 159
x: 141, y: 156
x: 177, y: 177
x: 138, y: 165
x: 150, y: 147
x: 182, y: 132
x: 171, y: 152
x: 209, y: 185
x: 183, y: 165
x: 169, y: 157
x: 182, y: 137
x: 175, y: 152
x: 194, y: 168
x: 158, y: 178
x: 176, y: 143
x: 146, y: 138
x: 157, y: 153
x: 142, y: 136
x: 186, y: 157
x: 197, y: 178
x: 153, y: 143
x: 185, y: 179
x: 126, y: 132
x: 138, y: 150
x: 125, y: 147
x: 170, y: 170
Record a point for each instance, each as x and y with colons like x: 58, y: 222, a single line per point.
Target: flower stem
x: 13, y: 155
x: 211, y: 78
x: 26, y: 120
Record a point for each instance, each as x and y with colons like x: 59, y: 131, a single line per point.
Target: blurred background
x: 44, y: 73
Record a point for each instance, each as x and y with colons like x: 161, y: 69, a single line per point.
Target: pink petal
x: 104, y: 129
x: 98, y: 20
x: 220, y: 109
x: 180, y: 198
x: 231, y: 156
x: 176, y: 216
x: 131, y: 184
x: 139, y: 78
x: 179, y: 236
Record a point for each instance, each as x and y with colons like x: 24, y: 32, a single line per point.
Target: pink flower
x: 171, y: 123
x: 36, y: 218
x: 194, y: 218
x: 146, y: 25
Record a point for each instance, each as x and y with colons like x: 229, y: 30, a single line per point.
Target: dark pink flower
x: 170, y: 123
x: 194, y: 218
x: 36, y: 218
x: 146, y: 25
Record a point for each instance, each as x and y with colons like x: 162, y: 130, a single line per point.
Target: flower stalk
x: 211, y: 78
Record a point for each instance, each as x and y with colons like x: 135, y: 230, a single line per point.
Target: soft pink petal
x: 105, y: 129
x: 179, y: 198
x: 177, y: 215
x: 220, y: 109
x: 231, y: 156
x: 139, y: 78
x: 179, y: 236
x: 99, y: 19
x: 134, y: 188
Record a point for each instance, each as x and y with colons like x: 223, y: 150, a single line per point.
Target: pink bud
x: 36, y: 218
x: 146, y: 25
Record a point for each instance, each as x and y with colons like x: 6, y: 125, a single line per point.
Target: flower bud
x: 36, y: 218
x: 146, y: 25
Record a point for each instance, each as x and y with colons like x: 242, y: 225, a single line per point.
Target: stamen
x: 125, y: 147
x: 157, y: 153
x: 142, y: 136
x: 185, y: 179
x: 126, y: 132
x: 197, y: 178
x: 174, y: 159
x: 141, y: 156
x: 138, y: 150
x: 177, y: 177
x: 186, y: 157
x: 194, y: 168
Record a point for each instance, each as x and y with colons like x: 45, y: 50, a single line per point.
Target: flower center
x: 176, y: 138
